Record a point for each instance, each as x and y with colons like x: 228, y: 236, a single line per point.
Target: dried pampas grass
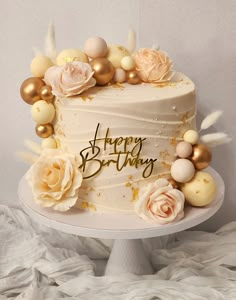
x: 32, y: 146
x: 215, y: 139
x: 131, y: 45
x: 210, y: 119
x: 27, y: 157
x: 49, y: 46
x: 30, y: 157
x: 50, y: 43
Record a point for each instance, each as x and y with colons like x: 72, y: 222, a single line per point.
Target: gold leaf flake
x: 118, y: 86
x: 86, y: 205
x: 166, y: 165
x: 135, y: 194
x: 164, y: 84
x: 164, y: 154
x: 87, y: 97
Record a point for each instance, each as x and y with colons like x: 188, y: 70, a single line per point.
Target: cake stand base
x: 127, y: 255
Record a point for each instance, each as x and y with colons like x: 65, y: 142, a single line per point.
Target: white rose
x: 160, y: 203
x: 55, y: 179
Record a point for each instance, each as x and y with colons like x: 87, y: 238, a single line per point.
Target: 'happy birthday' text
x: 123, y: 154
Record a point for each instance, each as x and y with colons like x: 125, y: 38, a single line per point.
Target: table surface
x: 115, y: 226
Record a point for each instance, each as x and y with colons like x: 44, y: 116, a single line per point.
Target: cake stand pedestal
x: 127, y: 255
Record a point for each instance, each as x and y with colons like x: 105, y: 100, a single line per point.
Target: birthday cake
x: 118, y: 129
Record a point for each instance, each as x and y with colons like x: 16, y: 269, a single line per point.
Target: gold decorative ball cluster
x: 187, y: 172
x: 113, y: 64
x: 33, y: 90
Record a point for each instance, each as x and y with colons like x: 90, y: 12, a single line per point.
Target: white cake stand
x: 127, y: 254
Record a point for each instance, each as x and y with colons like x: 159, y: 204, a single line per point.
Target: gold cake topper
x: 121, y: 155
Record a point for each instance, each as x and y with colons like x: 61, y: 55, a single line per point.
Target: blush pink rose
x: 153, y: 65
x: 70, y: 79
x: 160, y: 203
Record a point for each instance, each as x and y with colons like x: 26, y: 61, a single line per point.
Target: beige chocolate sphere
x: 182, y: 170
x: 39, y: 65
x: 201, y: 190
x: 115, y: 54
x: 42, y: 112
x: 120, y: 75
x: 127, y: 63
x: 184, y: 149
x: 191, y: 136
x: 49, y: 143
x: 69, y: 55
x: 95, y: 47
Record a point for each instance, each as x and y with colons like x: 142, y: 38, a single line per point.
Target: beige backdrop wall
x: 199, y: 35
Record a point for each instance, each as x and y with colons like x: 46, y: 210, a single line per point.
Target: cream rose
x: 55, y: 179
x: 153, y: 65
x: 70, y: 79
x: 160, y: 203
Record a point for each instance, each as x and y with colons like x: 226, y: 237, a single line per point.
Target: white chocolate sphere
x: 191, y: 136
x: 120, y: 75
x: 42, y: 112
x: 182, y: 170
x: 115, y: 54
x: 39, y: 65
x: 127, y: 63
x: 95, y: 47
x: 49, y: 143
x: 69, y: 55
x: 201, y: 190
x: 184, y: 149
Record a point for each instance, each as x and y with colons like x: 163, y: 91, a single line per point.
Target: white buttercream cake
x: 125, y: 124
x: 118, y: 130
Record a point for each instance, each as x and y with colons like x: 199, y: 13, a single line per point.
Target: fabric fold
x: 40, y: 263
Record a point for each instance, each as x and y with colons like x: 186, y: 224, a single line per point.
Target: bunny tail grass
x: 131, y: 45
x: 50, y: 43
x: 215, y: 139
x: 32, y: 146
x: 27, y: 157
x: 211, y: 119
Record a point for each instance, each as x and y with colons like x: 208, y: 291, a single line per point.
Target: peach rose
x: 70, y: 79
x: 153, y: 65
x: 55, y: 179
x: 160, y: 203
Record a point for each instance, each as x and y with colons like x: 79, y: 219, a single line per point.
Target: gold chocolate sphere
x: 133, y: 78
x: 46, y: 93
x: 30, y: 89
x: 44, y: 131
x: 103, y: 70
x: 201, y: 156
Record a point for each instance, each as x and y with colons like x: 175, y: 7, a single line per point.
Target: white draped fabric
x: 45, y: 264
